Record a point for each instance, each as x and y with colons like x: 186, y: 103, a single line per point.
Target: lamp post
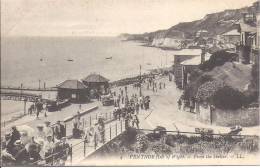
x: 140, y: 82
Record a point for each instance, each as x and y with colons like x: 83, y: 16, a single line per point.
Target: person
x: 179, y: 104
x: 17, y: 147
x: 28, y: 154
x: 9, y: 143
x: 40, y: 133
x: 136, y: 121
x: 59, y: 130
x: 96, y: 133
x: 47, y: 129
x: 137, y: 108
x: 48, y: 149
x: 45, y: 109
x: 15, y: 135
x: 76, y: 127
x: 101, y: 130
x: 89, y: 134
x: 64, y: 146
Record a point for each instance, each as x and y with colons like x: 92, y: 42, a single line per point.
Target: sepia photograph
x: 130, y: 83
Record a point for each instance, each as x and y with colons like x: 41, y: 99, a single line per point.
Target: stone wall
x: 243, y: 117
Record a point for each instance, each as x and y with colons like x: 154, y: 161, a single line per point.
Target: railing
x: 87, y: 119
x: 27, y: 88
x: 80, y: 150
x: 197, y: 133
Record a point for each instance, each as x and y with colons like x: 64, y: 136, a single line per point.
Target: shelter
x: 74, y: 90
x: 96, y: 83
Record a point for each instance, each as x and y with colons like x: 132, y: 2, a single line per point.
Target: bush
x: 208, y: 89
x: 217, y: 59
x: 228, y: 98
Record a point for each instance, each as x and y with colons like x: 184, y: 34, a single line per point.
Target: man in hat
x: 47, y: 129
x: 25, y: 156
x: 17, y: 147
x: 15, y: 134
x: 59, y: 130
x: 40, y: 133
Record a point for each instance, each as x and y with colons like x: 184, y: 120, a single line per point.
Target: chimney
x: 203, y: 53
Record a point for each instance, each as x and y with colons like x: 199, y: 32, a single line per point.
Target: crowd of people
x: 45, y: 146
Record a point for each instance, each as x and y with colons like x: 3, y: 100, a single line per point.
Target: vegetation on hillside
x: 218, y: 58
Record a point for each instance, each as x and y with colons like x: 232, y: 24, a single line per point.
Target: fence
x: 81, y: 149
x: 196, y: 133
x: 87, y: 119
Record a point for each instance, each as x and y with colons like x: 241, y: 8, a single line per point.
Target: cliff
x: 214, y: 24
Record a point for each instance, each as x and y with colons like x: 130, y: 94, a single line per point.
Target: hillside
x: 215, y: 23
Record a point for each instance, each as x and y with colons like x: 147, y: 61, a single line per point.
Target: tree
x: 228, y: 98
x: 218, y: 58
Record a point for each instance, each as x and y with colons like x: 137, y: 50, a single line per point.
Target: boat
x: 70, y: 60
x: 148, y: 63
x: 108, y: 57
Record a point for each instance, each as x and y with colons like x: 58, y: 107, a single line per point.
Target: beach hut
x: 74, y: 90
x: 96, y: 83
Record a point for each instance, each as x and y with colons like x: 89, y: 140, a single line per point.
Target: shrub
x: 208, y: 89
x: 217, y: 59
x: 228, y: 98
x: 141, y: 142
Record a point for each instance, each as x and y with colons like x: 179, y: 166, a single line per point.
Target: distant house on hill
x: 96, y: 83
x: 74, y: 90
x: 202, y: 33
x: 232, y: 36
x: 249, y: 36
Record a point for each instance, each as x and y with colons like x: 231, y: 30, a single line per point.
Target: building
x: 202, y: 33
x: 179, y: 57
x: 97, y: 84
x: 232, y: 37
x: 188, y: 66
x: 74, y: 90
x: 249, y: 43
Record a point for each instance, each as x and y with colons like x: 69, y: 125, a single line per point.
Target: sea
x: 51, y: 60
x: 32, y: 61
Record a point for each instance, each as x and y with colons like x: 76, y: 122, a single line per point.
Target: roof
x: 95, y: 78
x: 195, y: 60
x: 185, y: 52
x: 71, y: 84
x: 247, y: 28
x: 233, y: 32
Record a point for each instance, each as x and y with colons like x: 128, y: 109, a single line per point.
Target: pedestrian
x: 48, y: 147
x: 15, y: 135
x: 47, y: 129
x: 136, y: 121
x: 179, y: 104
x: 137, y: 108
x: 164, y: 85
x: 59, y: 130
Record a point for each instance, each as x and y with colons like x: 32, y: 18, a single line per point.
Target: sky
x: 103, y: 17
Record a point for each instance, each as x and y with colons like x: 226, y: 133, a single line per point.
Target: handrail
x: 199, y: 133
